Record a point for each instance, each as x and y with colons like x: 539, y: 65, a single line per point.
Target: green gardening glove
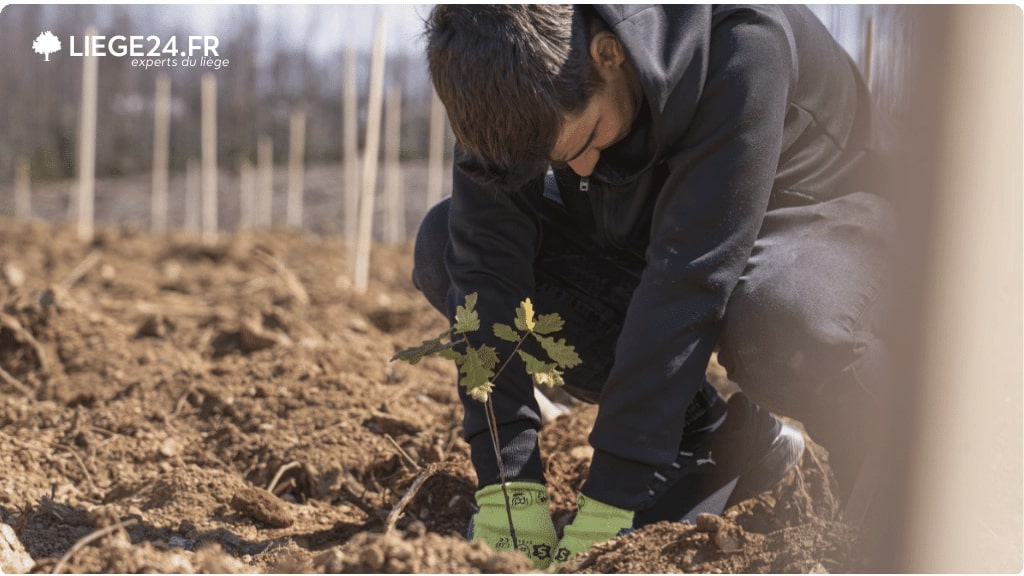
x: 535, y: 533
x: 595, y: 522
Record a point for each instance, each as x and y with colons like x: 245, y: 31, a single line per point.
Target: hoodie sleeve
x: 493, y: 239
x: 705, y: 222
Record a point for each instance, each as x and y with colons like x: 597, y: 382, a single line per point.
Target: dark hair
x: 508, y: 75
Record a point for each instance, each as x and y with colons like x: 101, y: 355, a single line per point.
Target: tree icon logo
x: 46, y: 43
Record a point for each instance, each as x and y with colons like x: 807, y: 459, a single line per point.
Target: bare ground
x: 175, y: 407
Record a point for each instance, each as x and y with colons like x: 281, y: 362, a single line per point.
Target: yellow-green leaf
x: 506, y: 333
x: 535, y: 365
x: 548, y: 323
x: 452, y: 354
x: 427, y: 348
x: 466, y: 318
x: 524, y: 316
x: 475, y: 373
x: 563, y: 354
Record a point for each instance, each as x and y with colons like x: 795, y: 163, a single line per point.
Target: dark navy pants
x: 802, y: 334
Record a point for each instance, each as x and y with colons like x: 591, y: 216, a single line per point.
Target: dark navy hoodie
x: 748, y: 109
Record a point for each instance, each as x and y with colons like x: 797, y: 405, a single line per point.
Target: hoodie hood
x: 668, y: 47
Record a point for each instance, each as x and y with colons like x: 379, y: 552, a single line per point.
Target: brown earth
x: 175, y: 407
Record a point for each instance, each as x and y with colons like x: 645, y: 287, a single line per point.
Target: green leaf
x: 427, y: 348
x: 524, y: 316
x: 506, y: 333
x: 548, y: 323
x: 466, y: 318
x: 475, y: 373
x: 488, y: 356
x: 563, y: 354
x: 452, y: 354
x: 535, y: 365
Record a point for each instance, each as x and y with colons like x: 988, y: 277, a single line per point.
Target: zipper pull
x: 585, y: 184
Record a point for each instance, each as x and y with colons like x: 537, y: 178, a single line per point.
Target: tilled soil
x: 174, y: 407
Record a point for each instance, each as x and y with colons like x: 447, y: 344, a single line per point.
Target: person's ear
x: 606, y: 51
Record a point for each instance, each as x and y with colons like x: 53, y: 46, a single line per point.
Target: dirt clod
x: 262, y: 506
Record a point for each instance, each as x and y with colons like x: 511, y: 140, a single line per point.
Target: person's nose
x: 584, y: 164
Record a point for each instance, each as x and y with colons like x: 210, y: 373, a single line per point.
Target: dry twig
x: 11, y: 323
x: 280, y: 472
x: 81, y: 463
x: 402, y: 452
x: 291, y: 282
x: 392, y: 519
x: 16, y: 384
x: 79, y: 271
x: 90, y: 538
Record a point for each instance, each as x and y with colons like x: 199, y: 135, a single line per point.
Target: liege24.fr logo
x: 144, y: 51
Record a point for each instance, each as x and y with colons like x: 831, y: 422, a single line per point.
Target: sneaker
x: 746, y: 452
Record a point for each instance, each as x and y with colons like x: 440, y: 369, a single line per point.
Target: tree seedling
x: 477, y: 364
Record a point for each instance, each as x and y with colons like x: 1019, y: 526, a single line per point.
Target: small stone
x: 13, y: 274
x: 417, y: 528
x: 14, y: 559
x: 359, y: 326
x: 170, y: 448
x: 108, y: 272
x: 709, y: 522
x: 726, y: 541
x: 154, y: 326
x: 179, y: 542
x: 372, y: 558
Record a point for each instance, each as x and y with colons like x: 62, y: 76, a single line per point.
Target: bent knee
x: 773, y: 349
x: 429, y: 274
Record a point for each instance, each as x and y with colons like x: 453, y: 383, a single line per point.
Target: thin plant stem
x: 509, y: 359
x: 492, y: 425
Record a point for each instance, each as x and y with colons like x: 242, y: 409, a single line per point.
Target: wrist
x: 513, y: 486
x: 618, y: 482
x: 520, y: 454
x: 606, y: 515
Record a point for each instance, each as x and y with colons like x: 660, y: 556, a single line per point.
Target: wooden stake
x: 246, y: 194
x: 435, y: 176
x: 350, y: 143
x: 393, y: 193
x: 296, y: 155
x: 265, y: 181
x: 22, y: 189
x: 209, y: 152
x: 192, y: 195
x: 87, y: 144
x: 869, y: 49
x: 370, y: 156
x: 161, y: 153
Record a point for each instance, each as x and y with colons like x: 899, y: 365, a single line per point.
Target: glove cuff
x: 527, y: 488
x: 520, y: 454
x: 607, y: 516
